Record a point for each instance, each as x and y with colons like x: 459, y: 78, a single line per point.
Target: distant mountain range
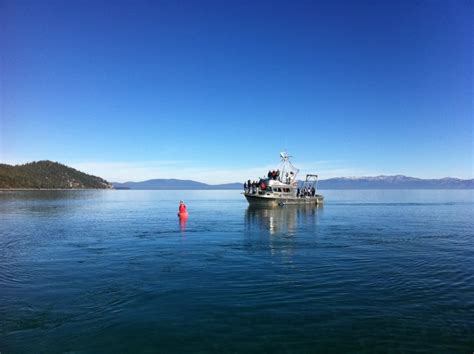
x: 395, y: 182
x: 47, y: 175
x: 379, y: 182
x: 53, y: 175
x: 175, y: 184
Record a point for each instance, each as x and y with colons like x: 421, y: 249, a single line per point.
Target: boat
x: 281, y: 187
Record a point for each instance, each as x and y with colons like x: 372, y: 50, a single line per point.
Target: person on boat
x: 182, y: 207
x: 245, y: 186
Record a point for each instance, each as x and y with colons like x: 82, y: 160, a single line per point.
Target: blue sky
x: 213, y: 91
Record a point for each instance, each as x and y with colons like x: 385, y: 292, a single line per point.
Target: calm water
x: 114, y: 271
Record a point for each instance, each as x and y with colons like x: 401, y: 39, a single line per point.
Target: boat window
x: 286, y: 190
x: 278, y: 189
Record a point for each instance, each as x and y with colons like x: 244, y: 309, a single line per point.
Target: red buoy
x: 183, y: 212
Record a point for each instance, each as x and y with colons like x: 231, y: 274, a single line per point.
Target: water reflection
x: 278, y: 228
x: 281, y: 220
x: 50, y: 202
x: 182, y: 224
x: 51, y: 195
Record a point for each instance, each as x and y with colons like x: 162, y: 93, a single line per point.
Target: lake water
x: 114, y: 271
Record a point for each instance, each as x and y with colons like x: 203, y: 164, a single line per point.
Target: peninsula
x: 47, y: 175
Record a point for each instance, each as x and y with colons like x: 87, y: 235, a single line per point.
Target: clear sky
x: 214, y: 90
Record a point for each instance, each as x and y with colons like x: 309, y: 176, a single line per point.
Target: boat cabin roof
x: 277, y: 183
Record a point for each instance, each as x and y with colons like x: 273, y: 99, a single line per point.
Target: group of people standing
x: 306, y: 192
x: 254, y: 187
x: 251, y: 186
x: 273, y: 174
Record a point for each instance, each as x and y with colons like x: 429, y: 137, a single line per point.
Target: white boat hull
x: 264, y: 200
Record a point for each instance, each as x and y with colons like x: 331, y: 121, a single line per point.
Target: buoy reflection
x: 182, y: 223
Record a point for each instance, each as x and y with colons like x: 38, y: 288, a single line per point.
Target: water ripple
x: 116, y: 271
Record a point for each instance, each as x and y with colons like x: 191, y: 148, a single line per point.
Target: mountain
x: 378, y: 182
x: 175, y: 184
x: 48, y: 175
x: 395, y: 182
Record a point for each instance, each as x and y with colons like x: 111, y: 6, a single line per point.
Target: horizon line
x: 218, y: 174
x: 325, y: 179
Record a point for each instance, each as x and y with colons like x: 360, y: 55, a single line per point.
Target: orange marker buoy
x: 183, y: 212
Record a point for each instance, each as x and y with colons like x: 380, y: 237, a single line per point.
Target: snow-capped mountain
x: 395, y: 182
